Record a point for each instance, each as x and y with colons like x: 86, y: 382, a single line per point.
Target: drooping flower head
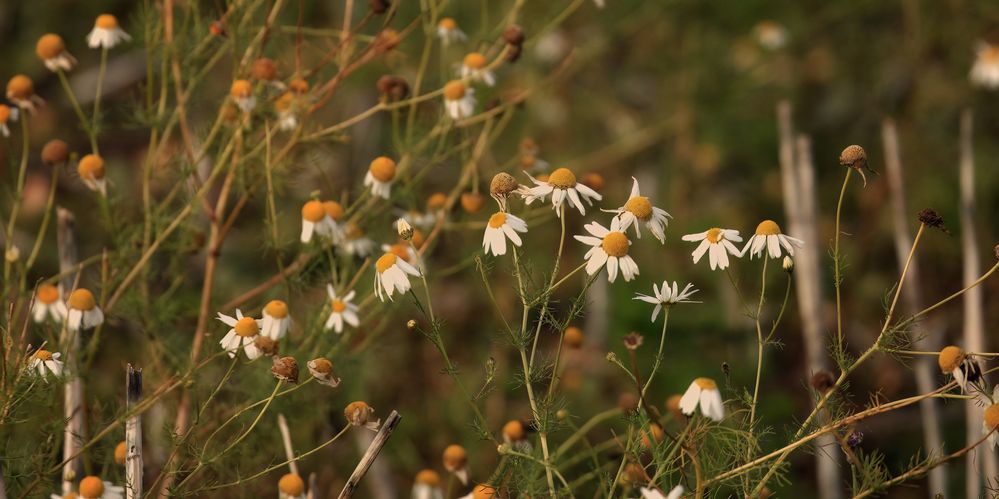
x: 48, y: 304
x: 106, y: 33
x: 21, y: 91
x: 769, y: 237
x: 459, y: 100
x: 241, y: 92
x: 291, y: 486
x: 455, y: 460
x: 449, y: 32
x: 51, y: 49
x: 92, y: 173
x: 381, y: 174
x: 322, y: 370
x: 703, y: 392
x: 359, y: 413
x: 83, y: 310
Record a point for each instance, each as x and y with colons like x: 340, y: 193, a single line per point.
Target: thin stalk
x: 84, y: 122
x: 837, y: 263
x: 759, y: 341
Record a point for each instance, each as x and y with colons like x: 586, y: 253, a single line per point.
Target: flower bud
x: 788, y: 264
x: 405, y: 230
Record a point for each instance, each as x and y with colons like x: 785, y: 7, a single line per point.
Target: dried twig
x: 73, y: 399
x: 133, y: 435
x: 369, y: 457
x: 286, y: 438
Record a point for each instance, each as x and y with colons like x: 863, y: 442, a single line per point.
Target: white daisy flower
x: 427, y: 485
x: 92, y: 173
x: 561, y: 185
x: 703, y: 391
x: 475, y: 68
x: 83, y: 311
x: 448, y: 31
x: 243, y: 332
x: 241, y: 92
x: 990, y: 421
x: 654, y: 493
x: 481, y: 491
x: 502, y: 226
x: 287, y: 112
x: 455, y: 460
x: 93, y: 487
x: 459, y: 100
x: 342, y: 309
x: 391, y: 276
x: 51, y: 49
x: 639, y: 209
x: 21, y: 91
x: 405, y: 251
x: 276, y: 320
x: 380, y: 175
x: 666, y: 296
x: 985, y: 71
x: 46, y: 362
x: 768, y: 236
x: 49, y: 304
x: 291, y: 486
x: 717, y: 243
x: 334, y: 214
x: 954, y: 361
x: 771, y: 35
x: 610, y: 248
x: 7, y: 115
x: 355, y: 242
x: 313, y: 220
x: 106, y: 33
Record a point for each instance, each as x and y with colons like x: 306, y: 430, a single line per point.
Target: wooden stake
x: 73, y: 397
x: 133, y: 435
x: 369, y: 456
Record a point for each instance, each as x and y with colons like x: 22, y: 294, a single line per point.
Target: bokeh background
x: 680, y: 94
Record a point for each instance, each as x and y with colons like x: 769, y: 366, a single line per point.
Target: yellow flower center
x: 20, y: 87
x: 640, y: 207
x: 455, y: 457
x: 514, y: 430
x: 43, y: 355
x: 4, y: 113
x: 454, y: 90
x: 767, y: 228
x: 385, y: 262
x: 714, y: 235
x: 383, y: 169
x: 292, y: 485
x: 91, y: 487
x: 950, y: 358
x: 992, y: 416
x: 497, y: 220
x: 706, y: 383
x: 106, y: 21
x: 240, y: 89
x: 247, y: 327
x: 283, y: 104
x: 49, y: 46
x: 47, y: 294
x: 91, y: 167
x: 277, y: 309
x: 562, y: 178
x: 400, y: 250
x: 333, y: 209
x: 82, y: 299
x: 475, y: 60
x: 615, y: 244
x: 313, y: 211
x: 339, y: 306
x: 447, y: 23
x: 321, y: 366
x: 428, y: 477
x: 120, y: 453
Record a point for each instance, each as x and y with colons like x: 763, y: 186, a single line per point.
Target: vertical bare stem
x: 133, y: 435
x: 286, y: 438
x: 73, y: 398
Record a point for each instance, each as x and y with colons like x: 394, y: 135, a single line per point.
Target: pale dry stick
x: 73, y: 399
x: 133, y: 435
x: 924, y: 367
x: 369, y: 456
x: 289, y: 451
x: 974, y: 320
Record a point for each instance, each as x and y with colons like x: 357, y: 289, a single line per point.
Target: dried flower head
x: 55, y: 152
x: 930, y: 218
x: 404, y: 229
x: 266, y: 345
x: 472, y: 202
x: 322, y: 370
x: 359, y: 413
x: 853, y: 157
x: 513, y: 34
x: 855, y: 438
x: 264, y: 69
x: 788, y: 264
x: 386, y: 40
x: 285, y: 369
x: 379, y: 6
x: 298, y: 85
x: 633, y: 340
x: 393, y: 87
x: 823, y: 381
x: 291, y: 485
x: 502, y: 185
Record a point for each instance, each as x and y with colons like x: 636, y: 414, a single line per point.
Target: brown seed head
x: 285, y: 369
x: 264, y: 69
x: 55, y: 152
x: 502, y: 184
x: 472, y: 202
x: 379, y: 6
x: 930, y: 218
x: 823, y: 381
x: 513, y: 34
x: 853, y: 157
x: 266, y: 345
x: 393, y: 87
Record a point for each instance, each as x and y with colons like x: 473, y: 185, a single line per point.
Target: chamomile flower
x: 449, y: 32
x: 989, y: 423
x: 561, y: 185
x: 21, y: 91
x: 241, y: 92
x: 770, y: 35
x: 381, y: 174
x: 93, y: 487
x: 717, y: 243
x: 313, y: 220
x: 654, y: 493
x: 481, y: 491
x: 985, y: 71
x: 954, y: 361
x: 355, y: 242
x: 287, y: 112
x: 92, y: 173
x: 638, y: 209
x: 610, y: 248
x: 666, y: 296
x: 276, y: 320
x: 361, y: 414
x: 7, y: 115
x: 342, y: 309
x: 768, y: 236
x: 83, y: 310
x: 404, y: 251
x: 322, y: 370
x: 51, y: 49
x: 515, y: 435
x: 459, y: 100
x: 391, y: 276
x: 106, y: 33
x: 427, y: 485
x: 46, y: 362
x: 291, y: 486
x: 48, y: 303
x: 474, y: 67
x: 455, y: 460
x: 243, y: 332
x: 500, y: 227
x: 703, y: 392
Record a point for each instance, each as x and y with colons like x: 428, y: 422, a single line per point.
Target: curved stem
x: 759, y: 342
x: 659, y: 357
x: 836, y: 262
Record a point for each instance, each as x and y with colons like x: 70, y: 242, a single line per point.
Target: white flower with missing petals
x: 243, y: 332
x: 717, y: 243
x: 276, y: 320
x: 381, y: 174
x: 475, y: 68
x: 610, y: 248
x: 500, y: 227
x: 703, y: 392
x: 638, y: 209
x: 666, y: 296
x: 459, y: 100
x: 342, y: 309
x: 46, y: 362
x: 391, y: 276
x: 769, y: 237
x: 48, y: 303
x: 83, y: 311
x: 561, y: 185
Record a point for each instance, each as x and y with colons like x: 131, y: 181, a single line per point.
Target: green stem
x: 759, y: 341
x: 659, y: 358
x: 84, y: 122
x: 837, y: 262
x: 100, y: 90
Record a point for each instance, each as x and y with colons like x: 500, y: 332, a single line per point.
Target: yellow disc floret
x: 483, y: 491
x: 49, y: 46
x: 992, y: 416
x: 338, y: 306
x: 4, y: 113
x: 497, y: 220
x: 43, y: 355
x: 767, y: 228
x: 277, y: 309
x: 447, y: 23
x: 454, y: 90
x: 475, y: 60
x: 714, y: 235
x: 333, y: 209
x: 514, y: 430
x: 106, y: 21
x: 383, y: 169
x: 455, y: 457
x: 428, y: 477
x: 246, y: 327
x: 119, y: 453
x: 615, y: 244
x: 82, y: 299
x: 385, y: 262
x: 91, y: 167
x: 47, y: 294
x: 950, y: 358
x: 640, y: 207
x: 562, y: 178
x: 313, y: 211
x: 706, y: 383
x: 240, y: 89
x: 91, y: 487
x: 20, y: 87
x: 291, y: 484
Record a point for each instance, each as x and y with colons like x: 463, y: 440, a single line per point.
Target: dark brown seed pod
x: 930, y: 218
x: 514, y: 35
x: 55, y: 152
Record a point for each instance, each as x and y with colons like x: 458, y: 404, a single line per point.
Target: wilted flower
x: 381, y: 174
x: 823, y: 381
x: 92, y: 173
x: 266, y: 345
x: 610, y: 248
x: 106, y: 33
x: 285, y: 369
x: 931, y: 218
x: 55, y: 152
x: 788, y: 264
x: 21, y: 91
x: 475, y: 68
x: 83, y: 311
x: 703, y: 392
x: 48, y: 303
x: 954, y: 361
x: 392, y: 87
x: 322, y: 370
x: 769, y: 237
x: 717, y: 243
x: 264, y: 69
x: 667, y: 296
x: 633, y: 340
x: 459, y: 100
x: 241, y: 92
x: 361, y: 414
x: 51, y: 49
